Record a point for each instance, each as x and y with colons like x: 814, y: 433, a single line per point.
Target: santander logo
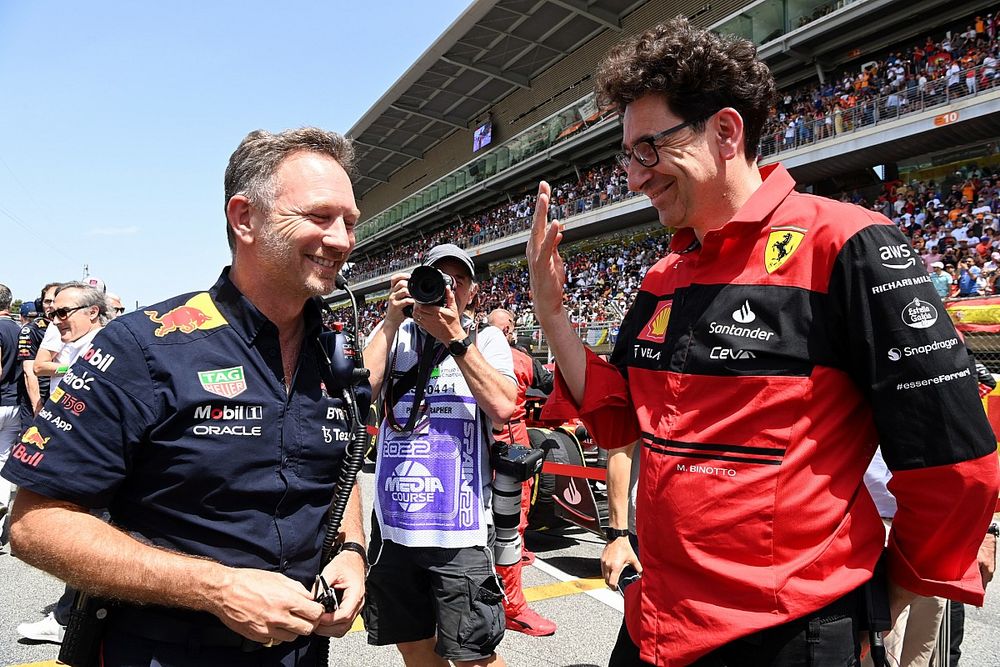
x: 744, y: 315
x: 571, y: 493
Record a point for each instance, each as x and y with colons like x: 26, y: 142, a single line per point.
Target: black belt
x: 158, y: 626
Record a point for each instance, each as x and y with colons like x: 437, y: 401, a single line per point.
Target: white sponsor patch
x: 897, y: 256
x: 743, y: 314
x: 895, y: 354
x: 919, y: 314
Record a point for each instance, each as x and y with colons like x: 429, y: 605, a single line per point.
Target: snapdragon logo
x: 413, y: 486
x: 895, y: 354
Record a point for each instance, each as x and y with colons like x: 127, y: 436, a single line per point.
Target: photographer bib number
x: 429, y: 482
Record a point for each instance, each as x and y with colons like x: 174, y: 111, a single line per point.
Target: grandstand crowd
x: 601, y: 184
x: 960, y: 60
x: 953, y: 221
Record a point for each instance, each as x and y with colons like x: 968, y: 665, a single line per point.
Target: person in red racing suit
x: 762, y: 360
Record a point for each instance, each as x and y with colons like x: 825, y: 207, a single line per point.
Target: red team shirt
x: 759, y: 370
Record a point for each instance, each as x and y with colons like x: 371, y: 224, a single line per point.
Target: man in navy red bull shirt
x: 204, y: 425
x: 763, y: 359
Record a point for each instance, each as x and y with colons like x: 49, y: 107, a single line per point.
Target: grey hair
x: 253, y: 164
x: 5, y: 297
x: 89, y: 296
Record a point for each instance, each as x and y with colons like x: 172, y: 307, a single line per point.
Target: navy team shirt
x: 177, y: 420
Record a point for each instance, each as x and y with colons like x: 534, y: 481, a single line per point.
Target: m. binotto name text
x: 706, y: 470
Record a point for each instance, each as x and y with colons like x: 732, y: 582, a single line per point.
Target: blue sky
x: 118, y: 119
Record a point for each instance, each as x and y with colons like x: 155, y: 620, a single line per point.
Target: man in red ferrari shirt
x: 763, y: 359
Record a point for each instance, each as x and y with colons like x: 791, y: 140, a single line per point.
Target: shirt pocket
x: 324, y: 433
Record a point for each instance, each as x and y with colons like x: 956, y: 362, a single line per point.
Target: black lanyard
x: 417, y: 377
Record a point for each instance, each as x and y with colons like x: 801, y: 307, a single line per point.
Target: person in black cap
x: 432, y: 590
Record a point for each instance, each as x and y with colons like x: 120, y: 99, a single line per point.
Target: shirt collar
x: 244, y: 317
x: 777, y: 185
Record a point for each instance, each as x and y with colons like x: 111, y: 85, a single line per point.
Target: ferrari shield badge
x: 781, y: 244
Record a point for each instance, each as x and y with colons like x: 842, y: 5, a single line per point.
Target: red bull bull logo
x: 199, y: 312
x: 33, y: 437
x: 183, y: 318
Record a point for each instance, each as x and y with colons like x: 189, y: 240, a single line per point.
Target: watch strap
x: 458, y: 348
x: 358, y: 549
x: 612, y: 534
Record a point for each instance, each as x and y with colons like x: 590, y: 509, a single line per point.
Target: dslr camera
x: 512, y: 466
x: 427, y: 287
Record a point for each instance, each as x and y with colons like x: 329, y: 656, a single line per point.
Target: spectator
x: 80, y: 312
x: 940, y: 280
x: 36, y: 389
x: 966, y: 279
x: 10, y: 379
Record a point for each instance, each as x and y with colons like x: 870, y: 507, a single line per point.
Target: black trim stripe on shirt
x: 675, y: 448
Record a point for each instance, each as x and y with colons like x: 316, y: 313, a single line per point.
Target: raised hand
x: 545, y: 266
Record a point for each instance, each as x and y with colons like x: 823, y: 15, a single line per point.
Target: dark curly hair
x: 698, y: 72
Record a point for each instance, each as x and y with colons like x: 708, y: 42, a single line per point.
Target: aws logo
x: 655, y: 330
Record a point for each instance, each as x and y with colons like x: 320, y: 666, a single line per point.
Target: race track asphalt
x: 588, y: 615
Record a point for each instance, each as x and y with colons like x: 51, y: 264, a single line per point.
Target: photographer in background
x: 432, y: 590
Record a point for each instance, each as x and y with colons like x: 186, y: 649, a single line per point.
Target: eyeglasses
x: 63, y: 313
x: 645, y: 151
x: 119, y: 310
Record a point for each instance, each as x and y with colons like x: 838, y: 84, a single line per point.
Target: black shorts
x: 414, y: 593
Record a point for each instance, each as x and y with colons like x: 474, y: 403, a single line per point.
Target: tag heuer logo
x: 225, y: 382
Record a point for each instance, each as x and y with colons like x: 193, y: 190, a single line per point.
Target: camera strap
x: 417, y: 377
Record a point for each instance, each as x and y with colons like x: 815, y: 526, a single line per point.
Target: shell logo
x: 655, y: 330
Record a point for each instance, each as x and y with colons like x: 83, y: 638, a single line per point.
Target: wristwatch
x: 993, y: 530
x: 458, y: 348
x: 612, y: 534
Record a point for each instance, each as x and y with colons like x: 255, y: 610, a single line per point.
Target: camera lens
x: 426, y: 285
